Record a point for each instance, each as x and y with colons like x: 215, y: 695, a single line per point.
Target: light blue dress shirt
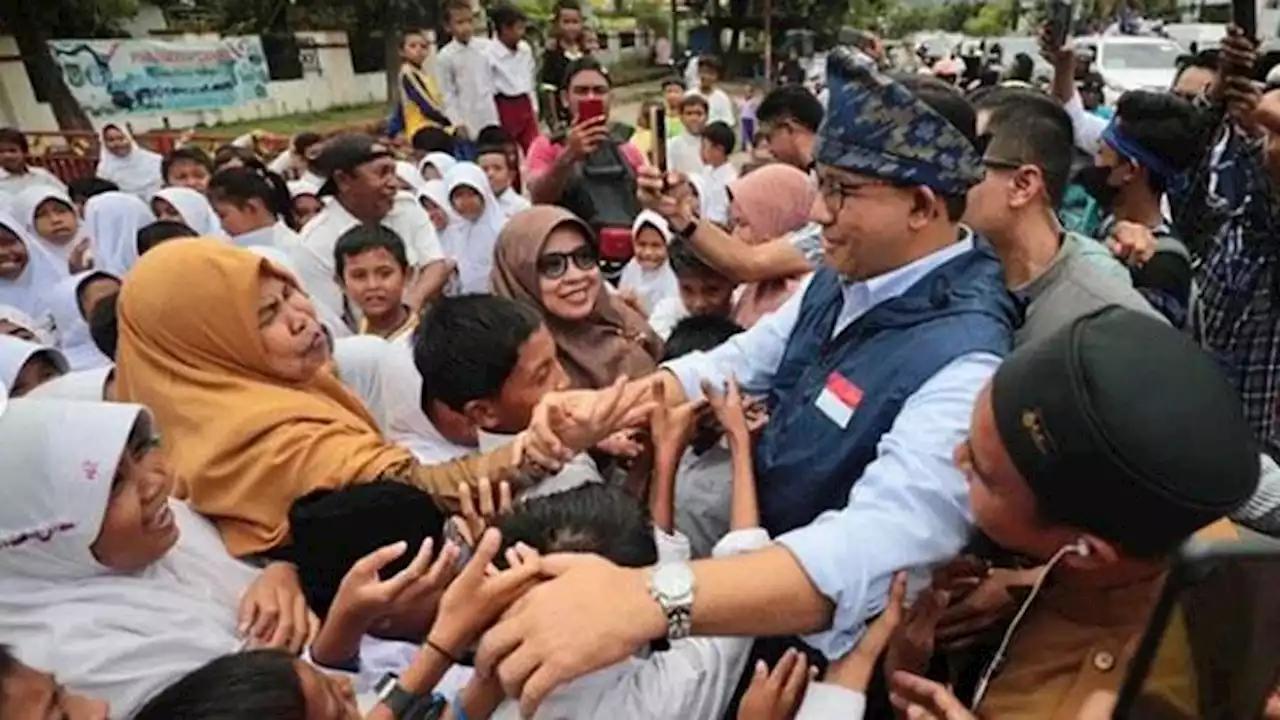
x: 910, y: 508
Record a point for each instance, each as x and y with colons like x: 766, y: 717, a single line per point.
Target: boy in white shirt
x: 16, y: 174
x: 465, y: 73
x: 684, y: 151
x: 514, y: 68
x: 495, y: 162
x: 717, y: 146
x: 719, y: 106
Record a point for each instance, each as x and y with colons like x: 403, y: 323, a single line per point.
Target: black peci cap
x: 1124, y: 427
x: 346, y: 153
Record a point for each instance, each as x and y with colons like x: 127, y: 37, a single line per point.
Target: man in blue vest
x: 871, y: 371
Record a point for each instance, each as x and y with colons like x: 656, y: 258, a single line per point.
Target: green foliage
x: 992, y: 19
x: 651, y: 15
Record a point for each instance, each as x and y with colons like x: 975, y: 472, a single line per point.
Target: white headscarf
x: 437, y: 192
x: 43, y: 334
x: 651, y: 285
x: 195, y: 210
x: 442, y: 162
x: 471, y: 243
x: 410, y: 175
x: 112, y: 221
x: 302, y: 187
x: 407, y: 425
x: 137, y: 173
x: 15, y: 352
x: 88, y: 385
x: 358, y: 360
x: 28, y: 292
x: 118, y: 637
x: 286, y: 257
x: 26, y: 205
x: 70, y: 325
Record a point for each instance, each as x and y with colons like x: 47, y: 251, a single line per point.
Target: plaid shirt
x: 1235, y: 244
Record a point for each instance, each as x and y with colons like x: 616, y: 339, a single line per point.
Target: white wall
x: 336, y: 85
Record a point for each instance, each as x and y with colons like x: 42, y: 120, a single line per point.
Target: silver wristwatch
x: 671, y: 584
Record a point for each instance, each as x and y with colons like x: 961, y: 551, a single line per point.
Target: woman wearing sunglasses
x: 546, y: 256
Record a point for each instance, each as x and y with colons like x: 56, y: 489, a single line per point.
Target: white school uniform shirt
x: 466, y: 78
x: 137, y: 173
x: 684, y: 154
x: 719, y: 106
x: 654, y: 285
x: 70, y: 326
x: 358, y: 361
x: 666, y: 314
x: 472, y: 243
x: 314, y: 262
x: 514, y: 71
x: 407, y: 425
x: 695, y: 678
x: 119, y: 637
x: 513, y: 202
x: 276, y: 235
x: 12, y: 184
x: 715, y: 205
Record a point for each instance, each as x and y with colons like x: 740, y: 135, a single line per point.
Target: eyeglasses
x: 554, y: 265
x: 834, y: 192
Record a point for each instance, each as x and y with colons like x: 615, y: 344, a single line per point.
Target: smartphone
x: 1060, y: 16
x: 454, y: 535
x: 1244, y: 13
x: 658, y: 124
x: 590, y: 108
x: 1218, y: 625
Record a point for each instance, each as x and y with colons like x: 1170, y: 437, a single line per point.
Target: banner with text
x: 113, y: 78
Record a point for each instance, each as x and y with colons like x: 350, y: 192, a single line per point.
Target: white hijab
x: 437, y: 192
x: 407, y: 425
x: 442, y: 162
x: 118, y: 637
x: 15, y: 352
x: 471, y: 243
x: 70, y: 325
x: 89, y: 385
x: 410, y: 175
x: 287, y: 258
x: 29, y: 291
x: 195, y: 210
x: 26, y: 322
x: 26, y: 205
x: 651, y: 285
x: 112, y: 221
x: 358, y: 361
x: 137, y: 173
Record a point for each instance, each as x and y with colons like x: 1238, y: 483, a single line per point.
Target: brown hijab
x: 612, y: 341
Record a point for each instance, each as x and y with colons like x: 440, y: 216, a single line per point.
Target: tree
x: 992, y: 20
x: 33, y: 24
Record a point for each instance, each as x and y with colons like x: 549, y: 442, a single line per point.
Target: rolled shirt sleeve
x: 909, y: 510
x: 1086, y: 126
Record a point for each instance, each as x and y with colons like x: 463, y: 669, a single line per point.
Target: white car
x: 1130, y: 62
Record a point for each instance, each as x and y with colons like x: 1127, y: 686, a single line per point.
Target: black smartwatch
x: 405, y: 705
x: 687, y: 230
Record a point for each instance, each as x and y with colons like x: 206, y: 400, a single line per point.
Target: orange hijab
x: 612, y: 341
x: 244, y: 445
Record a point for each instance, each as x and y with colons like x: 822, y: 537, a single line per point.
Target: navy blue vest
x: 805, y: 463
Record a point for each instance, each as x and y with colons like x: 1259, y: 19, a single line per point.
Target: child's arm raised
x: 744, y: 510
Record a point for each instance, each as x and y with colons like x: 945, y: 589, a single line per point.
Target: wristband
x: 688, y: 230
x: 443, y: 653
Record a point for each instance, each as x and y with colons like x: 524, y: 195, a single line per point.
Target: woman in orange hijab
x: 766, y: 203
x: 546, y: 257
x: 226, y: 351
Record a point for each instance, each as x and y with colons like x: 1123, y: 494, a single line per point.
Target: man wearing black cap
x: 1077, y: 458
x: 871, y: 369
x: 361, y: 181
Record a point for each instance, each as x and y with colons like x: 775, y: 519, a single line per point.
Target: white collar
x: 873, y: 291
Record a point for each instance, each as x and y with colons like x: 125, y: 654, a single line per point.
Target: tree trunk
x: 46, y: 77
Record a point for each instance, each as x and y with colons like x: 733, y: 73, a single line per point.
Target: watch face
x: 673, y: 580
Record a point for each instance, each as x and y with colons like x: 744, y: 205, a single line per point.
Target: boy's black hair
x: 467, y: 347
x: 227, y: 153
x: 189, y: 153
x: 1168, y: 126
x: 332, y: 529
x: 672, y: 80
x: 304, y: 140
x: 1205, y: 60
x: 794, y: 103
x: 493, y: 150
x: 246, y: 684
x: 239, y: 185
x: 14, y: 136
x: 363, y: 238
x: 494, y: 135
x: 694, y: 100
x: 505, y: 15
x: 452, y: 5
x: 721, y: 135
x: 81, y: 189
x: 104, y: 325
x: 947, y: 101
x: 562, y: 5
x: 711, y: 62
x: 593, y: 518
x: 699, y: 332
x: 1030, y: 127
x: 686, y: 263
x: 160, y: 231
x: 433, y: 139
x: 83, y: 286
x: 581, y: 65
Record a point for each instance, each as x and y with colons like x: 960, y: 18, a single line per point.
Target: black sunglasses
x: 554, y: 265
